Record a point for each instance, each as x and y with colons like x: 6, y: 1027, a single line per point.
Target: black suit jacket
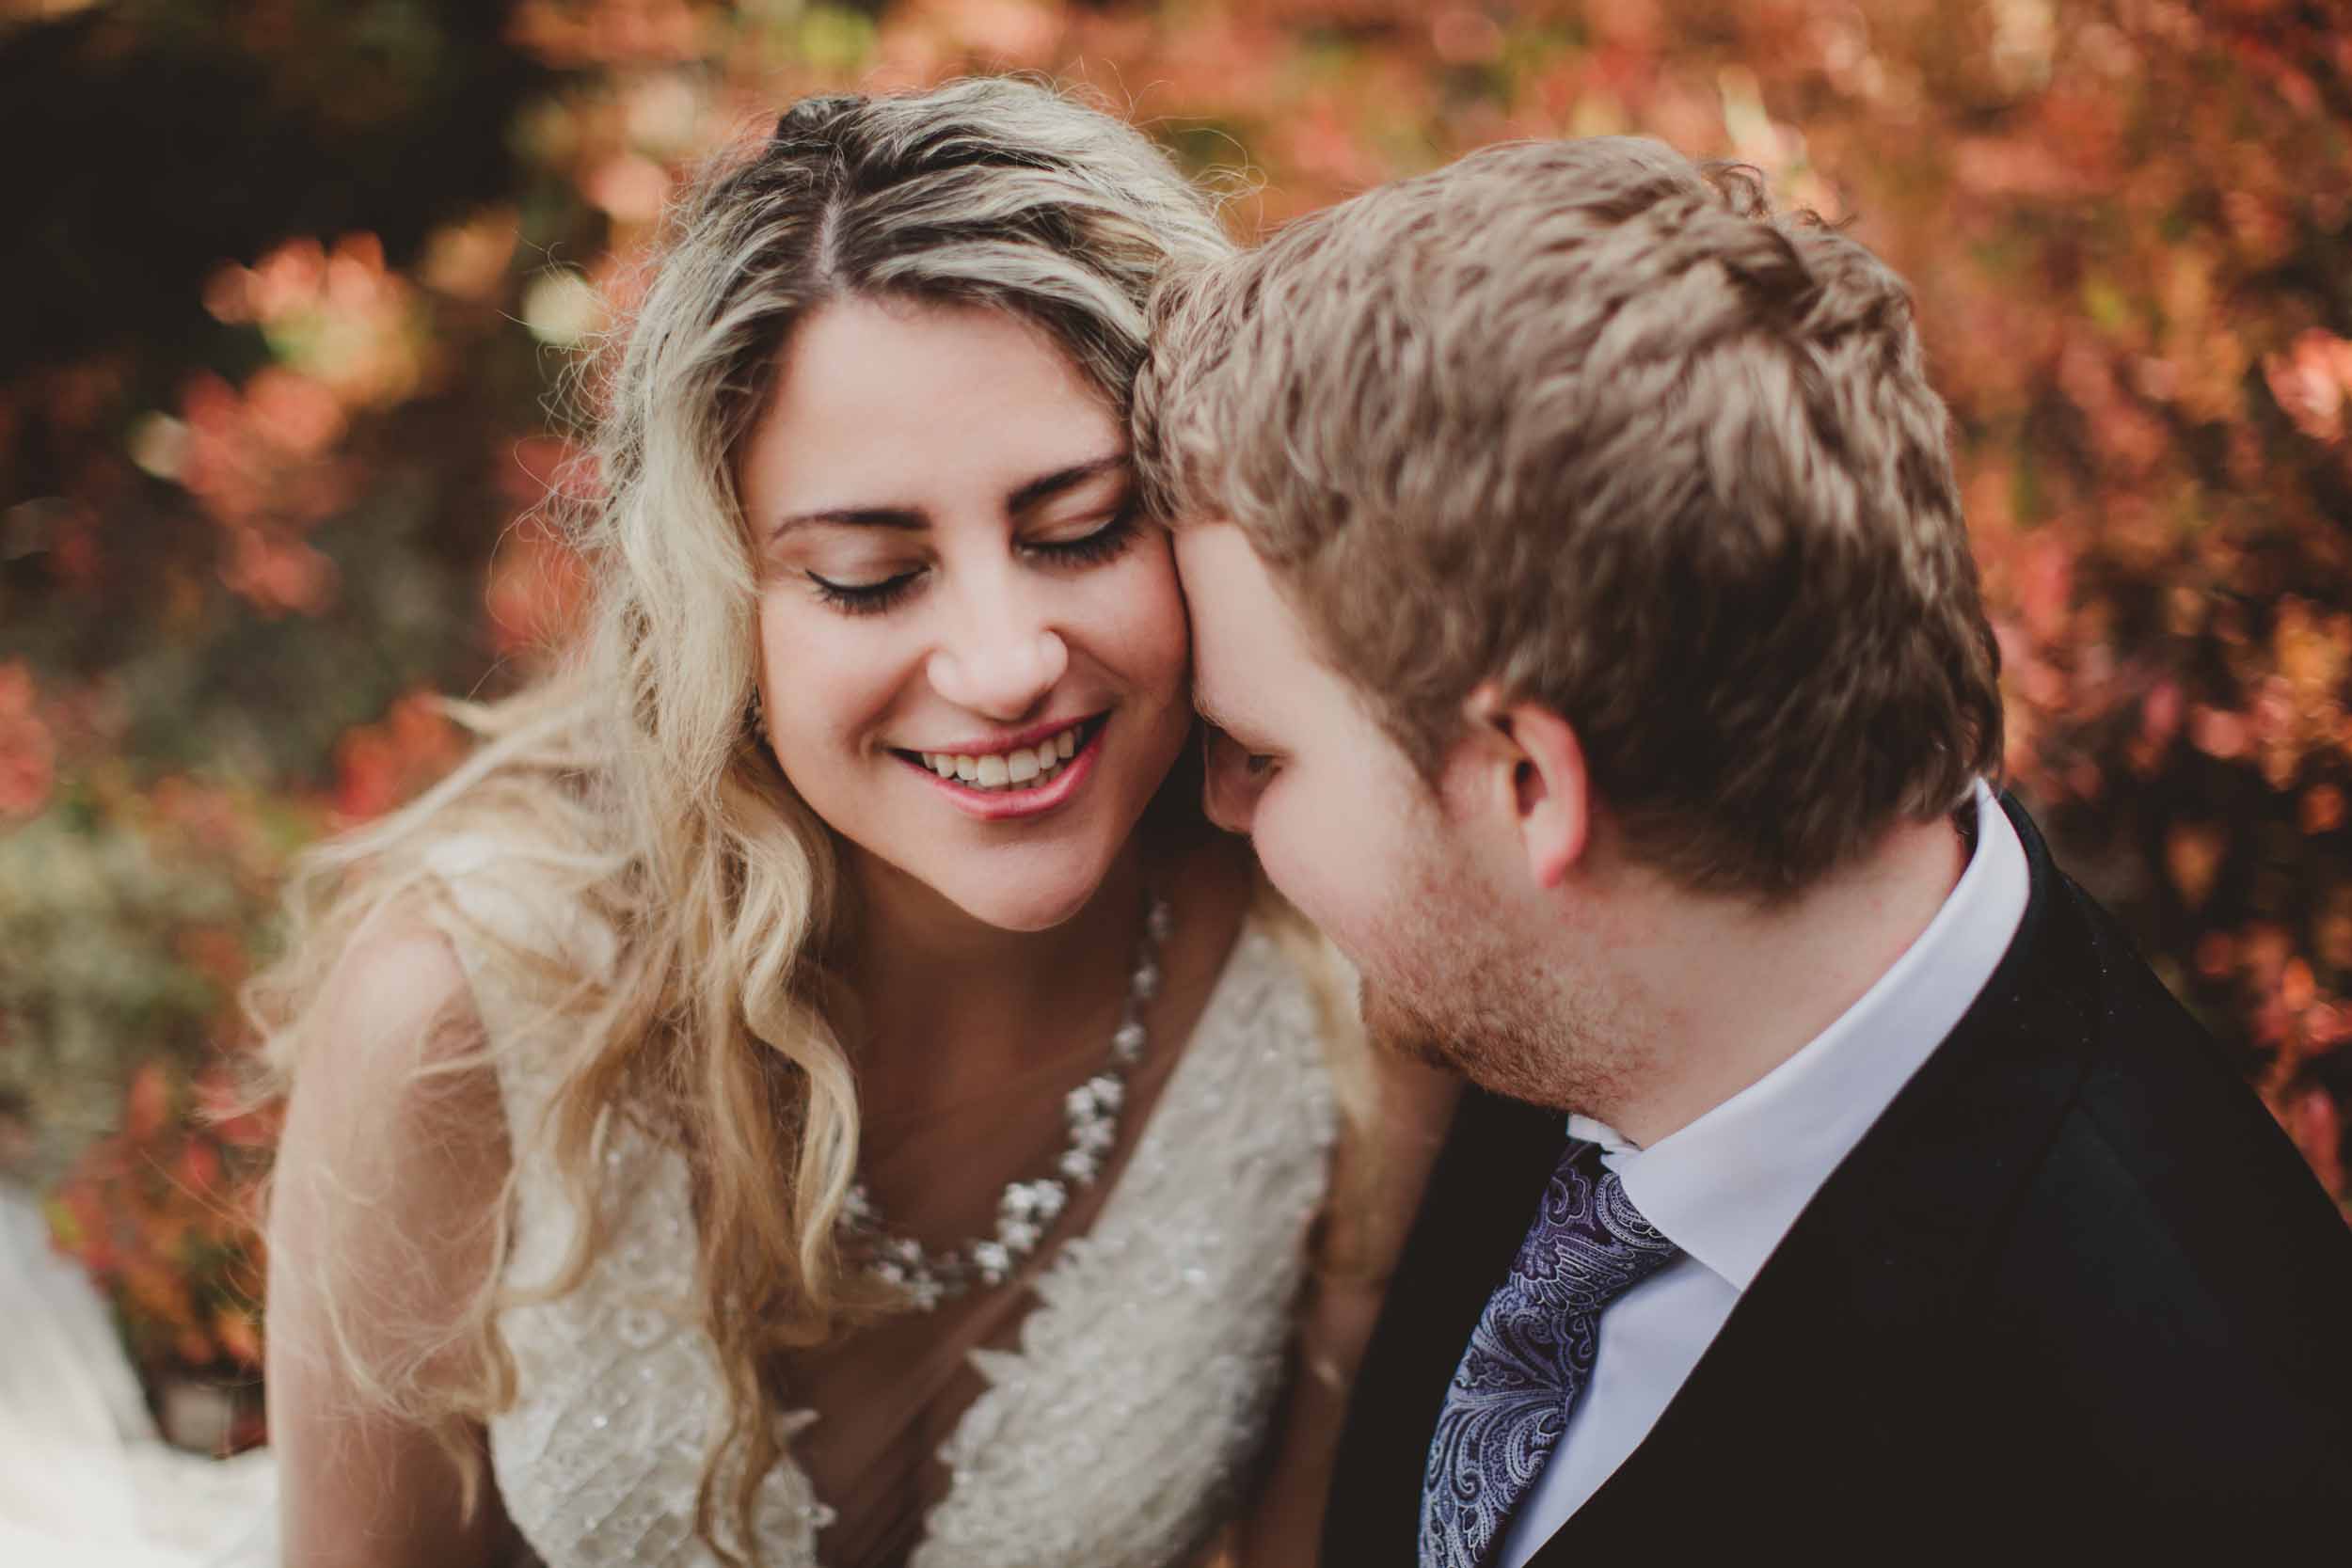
x: 2073, y: 1284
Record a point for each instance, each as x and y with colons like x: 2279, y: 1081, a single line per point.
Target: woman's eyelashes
x: 865, y: 598
x: 1106, y: 542
x: 1094, y: 548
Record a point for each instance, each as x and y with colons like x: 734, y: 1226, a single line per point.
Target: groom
x: 1581, y: 599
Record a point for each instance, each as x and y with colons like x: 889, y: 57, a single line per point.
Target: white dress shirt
x: 1726, y: 1187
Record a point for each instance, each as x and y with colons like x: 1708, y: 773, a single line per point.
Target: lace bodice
x: 1114, y: 1430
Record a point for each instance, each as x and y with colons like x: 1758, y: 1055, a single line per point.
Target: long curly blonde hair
x: 631, y: 786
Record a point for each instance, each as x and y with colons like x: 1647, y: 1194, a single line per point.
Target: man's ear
x: 1531, y: 759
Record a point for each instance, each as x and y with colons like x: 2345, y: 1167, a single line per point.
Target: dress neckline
x: 1006, y: 1357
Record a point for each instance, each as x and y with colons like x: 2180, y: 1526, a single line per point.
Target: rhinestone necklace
x: 1027, y: 1209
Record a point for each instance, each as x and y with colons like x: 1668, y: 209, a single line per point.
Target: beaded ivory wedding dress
x: 1115, y: 1431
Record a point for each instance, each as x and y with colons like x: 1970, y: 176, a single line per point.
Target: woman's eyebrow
x: 855, y: 516
x: 1047, y: 486
x: 908, y: 519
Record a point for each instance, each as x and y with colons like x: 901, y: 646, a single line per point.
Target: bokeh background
x: 288, y: 288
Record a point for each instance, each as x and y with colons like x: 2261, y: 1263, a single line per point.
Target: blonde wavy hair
x: 631, y: 787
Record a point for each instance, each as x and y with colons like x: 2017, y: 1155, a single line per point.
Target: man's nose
x: 1001, y: 664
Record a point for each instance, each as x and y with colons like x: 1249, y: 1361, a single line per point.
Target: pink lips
x: 996, y: 745
x: 1007, y: 805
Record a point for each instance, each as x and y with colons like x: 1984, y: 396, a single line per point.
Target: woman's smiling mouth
x: 1017, y: 780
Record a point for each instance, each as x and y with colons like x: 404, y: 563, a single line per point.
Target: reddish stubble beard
x: 1464, y: 981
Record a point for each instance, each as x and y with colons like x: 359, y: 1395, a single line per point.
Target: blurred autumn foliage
x: 159, y: 1212
x: 291, y: 281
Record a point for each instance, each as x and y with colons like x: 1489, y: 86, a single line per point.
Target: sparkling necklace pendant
x: 1027, y: 1210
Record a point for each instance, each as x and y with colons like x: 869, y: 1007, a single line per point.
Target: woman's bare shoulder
x: 383, y: 1231
x: 397, y: 1011
x: 393, y: 1114
x: 406, y: 968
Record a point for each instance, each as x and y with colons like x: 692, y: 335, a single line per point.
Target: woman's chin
x: 1029, y: 909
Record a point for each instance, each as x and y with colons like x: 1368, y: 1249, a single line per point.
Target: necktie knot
x: 1531, y: 1356
x: 1588, y: 1245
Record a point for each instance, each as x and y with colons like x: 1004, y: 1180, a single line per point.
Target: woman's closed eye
x: 866, y: 598
x: 1092, y: 547
x: 1105, y: 541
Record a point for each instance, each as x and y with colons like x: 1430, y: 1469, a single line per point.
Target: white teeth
x: 1021, y: 765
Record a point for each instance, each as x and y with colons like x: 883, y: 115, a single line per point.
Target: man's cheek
x: 1299, y: 870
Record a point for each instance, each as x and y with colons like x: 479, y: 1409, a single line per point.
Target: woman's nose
x: 1002, y: 672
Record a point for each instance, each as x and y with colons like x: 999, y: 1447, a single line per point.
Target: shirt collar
x: 1726, y: 1187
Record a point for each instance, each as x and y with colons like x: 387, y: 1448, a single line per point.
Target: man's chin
x: 1411, y: 1032
x: 1487, y: 1044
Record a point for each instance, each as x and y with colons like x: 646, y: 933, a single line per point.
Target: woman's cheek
x: 1152, y: 630
x: 828, y: 676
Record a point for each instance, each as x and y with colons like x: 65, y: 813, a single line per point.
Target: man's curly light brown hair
x: 1591, y: 420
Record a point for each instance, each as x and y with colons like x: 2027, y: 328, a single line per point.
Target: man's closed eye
x: 1236, y: 776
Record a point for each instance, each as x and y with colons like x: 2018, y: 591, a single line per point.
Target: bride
x: 810, y: 1088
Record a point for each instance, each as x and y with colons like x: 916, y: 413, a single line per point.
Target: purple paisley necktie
x: 1530, y: 1358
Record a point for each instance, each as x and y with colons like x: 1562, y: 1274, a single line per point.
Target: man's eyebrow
x: 907, y: 519
x: 1205, y: 705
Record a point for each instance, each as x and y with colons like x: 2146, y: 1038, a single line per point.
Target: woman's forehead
x: 877, y: 402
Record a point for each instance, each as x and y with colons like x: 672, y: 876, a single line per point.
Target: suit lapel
x: 1846, y: 1311
x: 1481, y: 1197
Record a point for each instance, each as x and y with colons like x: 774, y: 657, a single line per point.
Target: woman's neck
x: 948, y: 1005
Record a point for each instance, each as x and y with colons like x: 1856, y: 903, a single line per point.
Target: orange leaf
x: 148, y: 1104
